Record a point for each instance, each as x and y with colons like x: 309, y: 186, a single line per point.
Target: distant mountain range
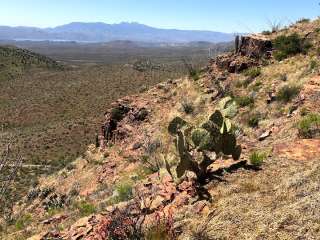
x: 102, y: 32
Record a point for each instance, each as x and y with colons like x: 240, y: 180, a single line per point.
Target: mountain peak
x: 103, y: 32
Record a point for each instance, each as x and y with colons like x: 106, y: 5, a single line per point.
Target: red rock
x: 199, y: 206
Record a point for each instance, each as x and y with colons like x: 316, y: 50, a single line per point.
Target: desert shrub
x: 75, y: 190
x: 313, y: 64
x: 244, y: 101
x: 252, y: 72
x: 45, y: 192
x: 187, y: 107
x: 283, y: 77
x: 85, y: 208
x: 194, y: 74
x: 287, y: 93
x: 124, y: 224
x: 23, y: 221
x: 303, y: 20
x: 309, y: 126
x: 257, y: 158
x: 256, y: 86
x: 253, y: 120
x: 275, y: 25
x: 118, y: 113
x: 304, y: 111
x: 244, y: 83
x: 151, y: 159
x: 267, y: 32
x: 289, y: 45
x: 238, y: 84
x: 247, y: 82
x: 33, y: 194
x: 55, y: 201
x: 124, y: 191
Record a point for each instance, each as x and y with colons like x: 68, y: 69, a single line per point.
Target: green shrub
x: 23, y: 221
x: 238, y: 84
x: 287, y: 93
x: 85, y: 208
x: 244, y: 101
x: 280, y: 55
x: 267, y: 32
x: 254, y: 119
x: 194, y: 74
x: 124, y: 192
x: 187, y: 107
x: 313, y: 64
x: 252, y: 72
x: 309, y: 126
x: 289, y: 45
x: 257, y: 158
x: 304, y: 111
x: 256, y: 86
x: 303, y: 20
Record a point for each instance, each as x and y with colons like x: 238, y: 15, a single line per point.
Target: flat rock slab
x: 299, y: 150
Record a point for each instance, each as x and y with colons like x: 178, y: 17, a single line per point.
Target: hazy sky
x: 218, y: 15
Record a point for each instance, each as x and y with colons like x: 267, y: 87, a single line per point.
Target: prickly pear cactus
x: 228, y: 107
x: 215, y: 135
x: 176, y: 124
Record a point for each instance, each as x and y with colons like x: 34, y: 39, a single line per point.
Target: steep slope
x: 123, y: 187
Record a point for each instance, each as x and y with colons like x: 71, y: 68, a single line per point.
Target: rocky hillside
x: 13, y: 61
x: 231, y: 152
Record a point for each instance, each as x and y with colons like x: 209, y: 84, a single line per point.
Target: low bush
x: 85, y: 208
x: 283, y: 77
x: 309, y: 126
x: 244, y: 101
x: 252, y: 72
x: 124, y: 192
x: 253, y: 120
x: 187, y: 107
x: 23, y: 221
x: 256, y: 86
x: 303, y: 20
x: 287, y: 93
x: 313, y: 64
x: 289, y: 45
x: 267, y: 32
x: 304, y: 111
x: 195, y: 75
x: 257, y: 158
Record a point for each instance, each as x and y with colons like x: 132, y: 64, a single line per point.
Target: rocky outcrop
x: 249, y: 52
x: 118, y: 119
x: 254, y: 46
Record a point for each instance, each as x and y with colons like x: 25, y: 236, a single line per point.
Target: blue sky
x: 216, y: 15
